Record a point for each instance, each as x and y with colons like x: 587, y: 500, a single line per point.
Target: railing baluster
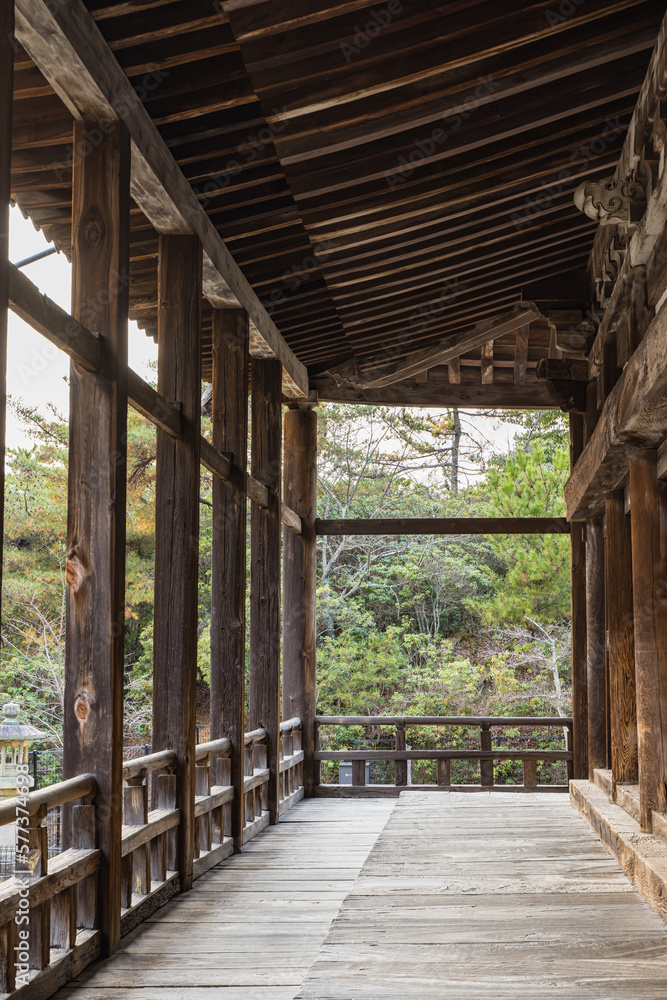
x: 485, y: 766
x: 444, y: 773
x: 401, y: 766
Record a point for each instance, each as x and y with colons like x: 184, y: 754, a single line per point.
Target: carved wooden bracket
x: 612, y: 202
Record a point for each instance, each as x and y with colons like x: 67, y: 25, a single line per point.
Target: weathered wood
x: 650, y: 631
x: 6, y: 93
x: 620, y: 642
x: 486, y: 358
x: 361, y: 755
x: 400, y: 766
x: 265, y: 545
x: 442, y: 720
x: 228, y: 560
x: 634, y: 416
x: 177, y: 527
x: 595, y: 646
x: 439, y: 392
x: 486, y: 766
x: 69, y: 49
x: 521, y: 354
x: 95, y: 568
x: 578, y: 619
x: 443, y: 526
x: 454, y: 346
x: 300, y: 578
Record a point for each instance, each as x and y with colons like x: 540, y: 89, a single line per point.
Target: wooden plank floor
x: 251, y: 928
x: 490, y: 895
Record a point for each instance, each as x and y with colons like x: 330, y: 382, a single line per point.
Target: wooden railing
x: 61, y: 894
x: 486, y: 753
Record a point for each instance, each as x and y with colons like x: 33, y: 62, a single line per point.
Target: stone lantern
x: 15, y: 741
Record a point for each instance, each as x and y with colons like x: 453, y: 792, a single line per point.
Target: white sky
x: 36, y: 370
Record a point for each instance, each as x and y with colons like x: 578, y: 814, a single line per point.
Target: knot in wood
x: 75, y: 570
x: 93, y: 232
x: 82, y: 707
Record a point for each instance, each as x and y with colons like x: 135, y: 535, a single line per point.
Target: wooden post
x: 620, y: 642
x: 177, y: 526
x: 95, y: 567
x: 485, y: 766
x: 648, y: 516
x: 595, y: 647
x: 265, y: 545
x: 228, y: 559
x: 300, y: 579
x: 578, y: 609
x: 6, y: 93
x: 400, y: 766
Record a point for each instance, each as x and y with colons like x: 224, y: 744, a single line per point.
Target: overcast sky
x: 36, y: 370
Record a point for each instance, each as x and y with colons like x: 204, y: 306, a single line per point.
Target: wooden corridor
x: 490, y: 895
x: 251, y: 928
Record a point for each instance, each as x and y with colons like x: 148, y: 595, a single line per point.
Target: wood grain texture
x: 6, y: 94
x: 252, y: 926
x: 94, y: 654
x: 596, y: 646
x: 509, y: 896
x: 650, y: 633
x: 578, y: 619
x: 300, y: 579
x: 177, y: 527
x: 265, y: 551
x: 228, y: 558
x: 443, y: 526
x: 620, y: 642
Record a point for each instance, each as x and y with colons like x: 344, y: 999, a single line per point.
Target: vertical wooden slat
x: 454, y: 371
x: 485, y: 766
x: 95, y: 568
x: 177, y: 526
x: 650, y: 611
x: 578, y: 618
x: 265, y: 546
x: 595, y: 647
x: 487, y: 363
x: 444, y: 773
x: 6, y: 91
x: 358, y: 772
x: 521, y: 355
x: 400, y: 766
x: 228, y: 559
x: 300, y: 579
x: 620, y: 642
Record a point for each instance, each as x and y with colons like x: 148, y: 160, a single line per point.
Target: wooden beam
x: 300, y: 579
x: 177, y: 528
x: 578, y: 620
x: 634, y: 416
x: 486, y: 360
x: 444, y: 526
x: 521, y: 354
x: 453, y: 346
x: 454, y: 371
x: 67, y: 46
x: 228, y: 556
x: 649, y: 527
x: 95, y: 567
x: 6, y: 100
x: 441, y: 392
x: 265, y: 545
x: 620, y: 642
x: 595, y: 647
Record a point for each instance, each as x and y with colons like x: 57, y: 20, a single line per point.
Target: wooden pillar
x: 596, y: 647
x: 177, y: 526
x: 578, y: 619
x: 648, y: 515
x: 300, y: 579
x: 228, y: 561
x: 620, y: 642
x: 265, y: 545
x: 6, y: 92
x: 95, y: 567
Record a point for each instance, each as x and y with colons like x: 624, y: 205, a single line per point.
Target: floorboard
x: 251, y: 927
x: 469, y: 896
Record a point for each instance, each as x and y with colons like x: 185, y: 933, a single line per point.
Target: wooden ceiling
x: 386, y: 175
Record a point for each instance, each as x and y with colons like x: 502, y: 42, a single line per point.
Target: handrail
x: 83, y: 786
x: 254, y: 736
x: 139, y: 766
x: 204, y: 750
x: 294, y: 723
x: 441, y: 720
